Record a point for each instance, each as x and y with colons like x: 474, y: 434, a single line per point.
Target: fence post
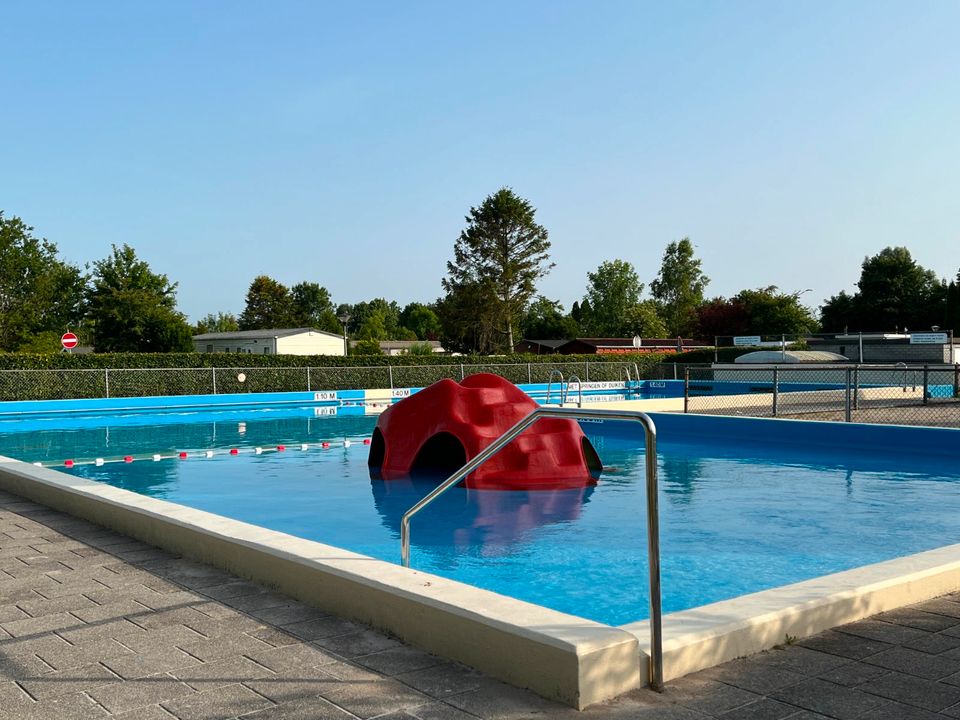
x: 716, y: 350
x: 390, y: 373
x: 214, y: 373
x: 308, y: 379
x: 956, y: 381
x: 586, y: 372
x: 675, y: 371
x: 462, y: 376
x: 847, y: 414
x: 856, y: 387
x: 106, y: 382
x: 860, y: 352
x: 926, y: 382
x: 529, y: 375
x: 783, y: 348
x: 686, y: 390
x: 776, y: 390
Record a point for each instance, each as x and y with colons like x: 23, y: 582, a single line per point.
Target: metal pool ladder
x: 550, y: 386
x: 653, y: 515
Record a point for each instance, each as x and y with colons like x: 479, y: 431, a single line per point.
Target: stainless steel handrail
x: 566, y: 390
x: 653, y: 516
x: 550, y: 385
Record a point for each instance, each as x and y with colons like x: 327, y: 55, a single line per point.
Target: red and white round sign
x: 68, y: 340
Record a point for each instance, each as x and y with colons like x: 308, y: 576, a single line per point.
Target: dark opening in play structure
x: 378, y: 449
x: 442, y: 454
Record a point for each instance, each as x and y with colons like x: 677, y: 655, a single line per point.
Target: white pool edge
x: 562, y: 657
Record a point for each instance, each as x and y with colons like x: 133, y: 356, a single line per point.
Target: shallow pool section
x: 737, y: 516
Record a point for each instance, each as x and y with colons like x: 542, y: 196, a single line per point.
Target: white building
x: 283, y: 341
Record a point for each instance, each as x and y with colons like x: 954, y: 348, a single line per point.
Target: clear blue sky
x: 343, y: 143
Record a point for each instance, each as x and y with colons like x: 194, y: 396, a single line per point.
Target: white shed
x: 281, y: 341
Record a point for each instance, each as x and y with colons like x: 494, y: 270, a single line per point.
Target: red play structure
x: 442, y: 427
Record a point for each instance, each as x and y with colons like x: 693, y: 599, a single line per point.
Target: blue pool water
x: 737, y: 516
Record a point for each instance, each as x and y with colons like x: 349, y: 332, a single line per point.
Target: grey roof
x: 790, y: 357
x: 546, y: 343
x: 257, y: 334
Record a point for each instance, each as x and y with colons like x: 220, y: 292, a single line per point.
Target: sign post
x: 69, y: 341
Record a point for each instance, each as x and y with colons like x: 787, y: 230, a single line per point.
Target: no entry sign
x: 68, y: 340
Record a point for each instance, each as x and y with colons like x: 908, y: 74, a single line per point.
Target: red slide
x: 444, y: 426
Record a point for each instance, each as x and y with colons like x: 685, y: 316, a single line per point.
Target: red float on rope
x: 234, y: 451
x: 182, y: 456
x: 127, y: 459
x: 324, y: 445
x: 68, y: 463
x: 281, y: 448
x: 366, y: 441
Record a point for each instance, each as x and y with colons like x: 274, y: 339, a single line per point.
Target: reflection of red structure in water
x: 442, y: 427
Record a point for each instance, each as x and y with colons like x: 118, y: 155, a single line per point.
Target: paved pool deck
x: 96, y: 625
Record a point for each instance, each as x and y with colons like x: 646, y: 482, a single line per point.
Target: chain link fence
x: 140, y: 382
x: 892, y: 394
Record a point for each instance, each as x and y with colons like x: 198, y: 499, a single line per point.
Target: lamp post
x: 344, y: 319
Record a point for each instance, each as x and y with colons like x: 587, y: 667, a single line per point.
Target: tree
x: 134, y: 309
x: 39, y: 293
x: 268, y: 306
x: 772, y: 312
x: 722, y: 317
x: 421, y: 321
x: 614, y: 288
x: 366, y: 347
x: 221, y: 322
x: 545, y: 320
x: 643, y: 319
x: 467, y: 319
x: 894, y: 292
x: 504, y: 252
x: 312, y: 307
x: 951, y: 320
x: 678, y: 288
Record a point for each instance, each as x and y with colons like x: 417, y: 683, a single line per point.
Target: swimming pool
x: 741, y: 510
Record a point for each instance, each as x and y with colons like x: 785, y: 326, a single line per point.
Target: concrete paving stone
x: 312, y: 708
x: 286, y: 614
x: 178, y: 635
x: 216, y: 610
x: 209, y: 676
x: 828, y: 699
x: 69, y: 587
x: 397, y: 660
x: 72, y: 706
x: 112, y: 611
x: 914, y: 662
x: 11, y: 646
x: 753, y: 675
x: 34, y: 626
x: 116, y: 629
x: 141, y: 556
x: 882, y: 631
x: 153, y: 712
x: 13, y: 697
x: 156, y: 619
x: 292, y: 658
x: 224, y: 702
x: 853, y: 674
x: 168, y: 601
x: 10, y: 613
x: 62, y: 656
x: 275, y: 637
x: 369, y: 699
x: 162, y: 659
x: 292, y: 686
x: 442, y: 681
x: 190, y: 574
x: 915, y: 618
x: 911, y: 690
x: 898, y: 711
x: 39, y: 606
x: 256, y: 601
x: 210, y: 649
x: 707, y: 696
x: 497, y: 701
x: 22, y: 667
x: 363, y: 642
x: 232, y: 589
x: 132, y: 694
x: 350, y: 672
x: 764, y: 709
x: 934, y: 644
x: 13, y: 594
x: 799, y: 659
x: 322, y: 628
x: 941, y: 606
x: 227, y: 627
x: 844, y: 645
x: 78, y: 679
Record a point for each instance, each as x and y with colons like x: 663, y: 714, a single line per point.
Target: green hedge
x: 138, y: 375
